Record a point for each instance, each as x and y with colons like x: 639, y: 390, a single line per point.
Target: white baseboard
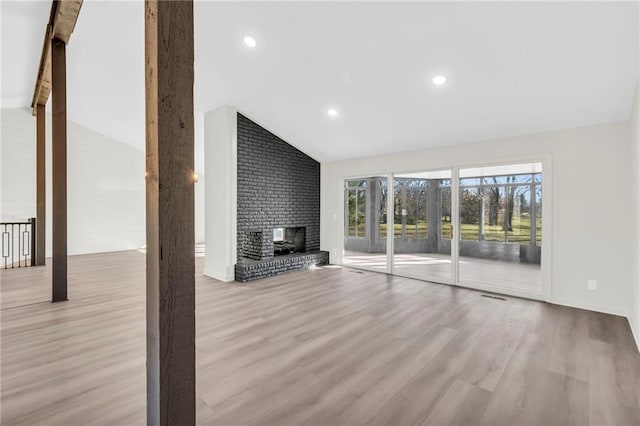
x: 226, y: 277
x: 612, y: 310
x: 636, y: 333
x: 605, y: 309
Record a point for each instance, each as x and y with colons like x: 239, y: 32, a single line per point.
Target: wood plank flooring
x: 330, y: 346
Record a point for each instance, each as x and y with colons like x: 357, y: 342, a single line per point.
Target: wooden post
x: 41, y: 188
x: 170, y: 213
x: 59, y: 169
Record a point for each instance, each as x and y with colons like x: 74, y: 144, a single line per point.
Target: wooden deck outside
x: 331, y: 346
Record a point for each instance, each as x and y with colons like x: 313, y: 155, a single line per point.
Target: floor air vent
x: 357, y: 272
x: 490, y: 296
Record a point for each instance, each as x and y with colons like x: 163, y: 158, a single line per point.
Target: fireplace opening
x: 289, y: 240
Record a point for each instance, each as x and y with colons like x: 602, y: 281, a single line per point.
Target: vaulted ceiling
x: 511, y: 67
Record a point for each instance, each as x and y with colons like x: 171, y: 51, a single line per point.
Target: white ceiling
x: 513, y: 68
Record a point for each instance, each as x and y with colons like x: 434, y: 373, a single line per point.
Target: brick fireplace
x: 278, y: 205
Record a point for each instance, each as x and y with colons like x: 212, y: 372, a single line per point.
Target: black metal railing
x: 18, y: 244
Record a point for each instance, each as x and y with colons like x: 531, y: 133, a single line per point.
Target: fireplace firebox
x: 289, y: 240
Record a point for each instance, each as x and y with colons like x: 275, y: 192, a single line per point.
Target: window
x: 410, y: 208
x: 502, y: 208
x: 356, y: 195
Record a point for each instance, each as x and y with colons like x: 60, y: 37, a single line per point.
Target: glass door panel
x: 422, y: 225
x: 365, y: 234
x: 500, y: 242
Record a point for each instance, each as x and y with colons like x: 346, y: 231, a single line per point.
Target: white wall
x: 220, y: 150
x: 199, y: 169
x: 17, y: 165
x: 634, y: 125
x: 105, y: 178
x: 199, y: 192
x: 591, y: 208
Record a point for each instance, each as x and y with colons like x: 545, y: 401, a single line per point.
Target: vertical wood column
x: 59, y: 168
x: 41, y: 190
x: 170, y: 212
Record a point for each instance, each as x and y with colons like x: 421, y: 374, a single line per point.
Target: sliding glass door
x: 500, y: 239
x: 478, y: 227
x: 365, y: 219
x: 422, y: 225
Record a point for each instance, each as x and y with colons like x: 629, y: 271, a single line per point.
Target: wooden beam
x: 65, y: 20
x: 59, y: 169
x: 62, y: 21
x: 170, y: 212
x: 41, y: 189
x: 43, y: 81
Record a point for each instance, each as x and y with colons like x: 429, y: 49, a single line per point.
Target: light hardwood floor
x: 331, y: 346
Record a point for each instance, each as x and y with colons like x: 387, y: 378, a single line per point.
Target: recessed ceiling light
x: 439, y: 79
x: 249, y: 41
x: 332, y: 112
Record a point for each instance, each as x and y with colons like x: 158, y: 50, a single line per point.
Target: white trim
x: 635, y: 332
x: 605, y: 309
x: 341, y: 223
x: 390, y: 225
x: 455, y: 222
x: 547, y: 227
x: 234, y: 190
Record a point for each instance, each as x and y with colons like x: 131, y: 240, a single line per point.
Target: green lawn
x: 520, y: 234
